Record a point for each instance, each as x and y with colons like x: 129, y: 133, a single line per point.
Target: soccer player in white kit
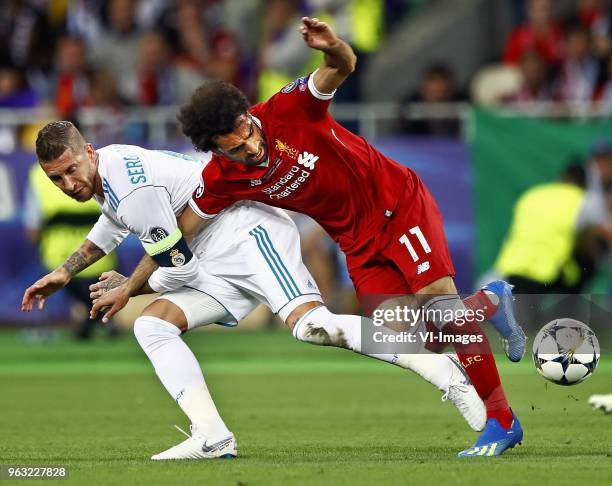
x: 254, y: 258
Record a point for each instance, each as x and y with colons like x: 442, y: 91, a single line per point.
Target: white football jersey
x: 247, y: 254
x: 144, y: 192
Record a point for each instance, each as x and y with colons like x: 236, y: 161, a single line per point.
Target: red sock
x: 481, y: 301
x: 478, y: 361
x: 477, y: 357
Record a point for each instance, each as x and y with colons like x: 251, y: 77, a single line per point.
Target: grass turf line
x: 301, y: 414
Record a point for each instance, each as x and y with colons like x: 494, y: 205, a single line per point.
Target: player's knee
x: 149, y: 330
x: 443, y: 310
x: 310, y: 327
x: 316, y: 327
x: 166, y: 311
x: 296, y: 314
x: 441, y: 286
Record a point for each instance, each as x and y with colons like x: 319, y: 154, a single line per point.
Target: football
x: 566, y: 351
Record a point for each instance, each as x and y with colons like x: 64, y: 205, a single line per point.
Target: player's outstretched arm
x: 43, y: 288
x: 339, y: 61
x: 114, y: 290
x: 87, y: 254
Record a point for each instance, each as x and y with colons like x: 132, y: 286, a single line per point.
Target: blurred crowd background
x: 74, y: 55
x: 502, y: 107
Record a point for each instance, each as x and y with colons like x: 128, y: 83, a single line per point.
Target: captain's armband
x: 172, y: 251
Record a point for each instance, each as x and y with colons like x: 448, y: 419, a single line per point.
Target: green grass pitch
x: 301, y: 415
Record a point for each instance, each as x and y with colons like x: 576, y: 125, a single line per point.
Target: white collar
x: 266, y: 162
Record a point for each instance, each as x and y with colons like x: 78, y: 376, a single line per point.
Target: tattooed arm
x: 106, y: 282
x: 87, y: 254
x: 114, y: 290
x: 136, y: 284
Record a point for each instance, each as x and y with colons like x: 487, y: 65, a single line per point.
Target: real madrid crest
x: 177, y: 258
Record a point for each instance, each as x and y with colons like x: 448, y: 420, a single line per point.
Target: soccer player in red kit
x: 290, y: 153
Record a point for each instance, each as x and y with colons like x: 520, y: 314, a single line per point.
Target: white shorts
x: 249, y: 255
x: 200, y: 309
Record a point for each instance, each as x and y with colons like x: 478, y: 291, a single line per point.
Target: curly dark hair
x: 212, y: 111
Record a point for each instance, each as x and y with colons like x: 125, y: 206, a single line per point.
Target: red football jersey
x: 314, y: 166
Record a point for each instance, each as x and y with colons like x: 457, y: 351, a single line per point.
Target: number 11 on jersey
x: 405, y: 240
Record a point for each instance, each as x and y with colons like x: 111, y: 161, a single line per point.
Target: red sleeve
x: 300, y: 98
x: 205, y: 202
x: 512, y: 52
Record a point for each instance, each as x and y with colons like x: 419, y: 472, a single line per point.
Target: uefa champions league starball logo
x: 566, y: 351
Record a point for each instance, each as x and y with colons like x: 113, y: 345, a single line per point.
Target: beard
x: 82, y: 195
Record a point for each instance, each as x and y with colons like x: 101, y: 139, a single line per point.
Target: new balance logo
x: 216, y: 446
x: 423, y: 267
x: 308, y: 160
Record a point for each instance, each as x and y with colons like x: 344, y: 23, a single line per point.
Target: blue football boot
x: 494, y: 439
x: 513, y: 337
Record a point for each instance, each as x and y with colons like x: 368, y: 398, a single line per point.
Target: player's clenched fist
x: 317, y: 34
x: 43, y: 288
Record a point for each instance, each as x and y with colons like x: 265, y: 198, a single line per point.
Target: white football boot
x: 199, y: 447
x: 601, y: 401
x: 460, y: 391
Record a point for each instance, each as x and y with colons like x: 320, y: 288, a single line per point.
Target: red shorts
x: 408, y: 254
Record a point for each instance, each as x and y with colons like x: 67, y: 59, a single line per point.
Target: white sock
x: 319, y: 326
x: 179, y: 371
